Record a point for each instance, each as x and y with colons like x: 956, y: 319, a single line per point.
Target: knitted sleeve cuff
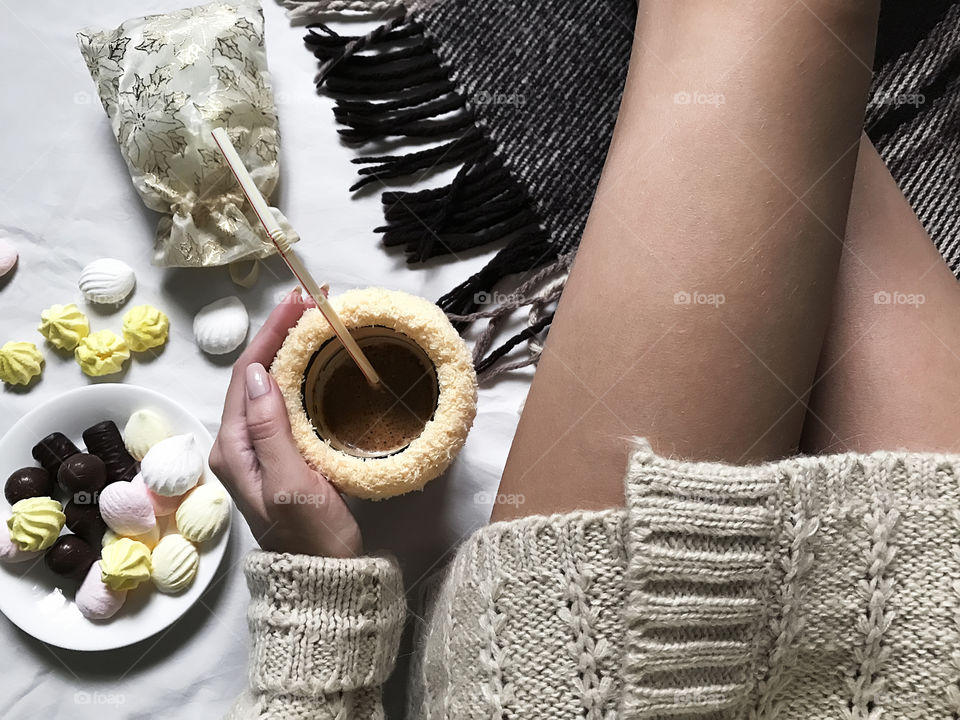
x: 742, y: 577
x: 322, y: 625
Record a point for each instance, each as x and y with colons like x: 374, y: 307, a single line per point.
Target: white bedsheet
x: 66, y: 199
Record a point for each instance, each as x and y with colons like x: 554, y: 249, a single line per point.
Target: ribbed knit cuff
x: 322, y: 625
x: 732, y: 569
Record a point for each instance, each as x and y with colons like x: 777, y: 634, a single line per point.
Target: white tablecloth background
x: 66, y: 199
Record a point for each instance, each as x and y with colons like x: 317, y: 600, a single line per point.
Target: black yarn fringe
x: 392, y: 84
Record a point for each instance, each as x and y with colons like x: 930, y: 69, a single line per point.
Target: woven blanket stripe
x: 913, y: 118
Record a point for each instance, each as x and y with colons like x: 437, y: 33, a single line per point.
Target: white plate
x: 41, y: 603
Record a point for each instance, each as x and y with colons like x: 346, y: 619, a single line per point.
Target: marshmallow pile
x: 136, y: 509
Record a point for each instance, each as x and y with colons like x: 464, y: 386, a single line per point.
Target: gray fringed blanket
x: 522, y: 96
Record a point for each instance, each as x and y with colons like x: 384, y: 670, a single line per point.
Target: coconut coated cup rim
x: 428, y: 455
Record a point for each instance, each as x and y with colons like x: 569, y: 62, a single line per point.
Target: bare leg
x: 890, y: 370
x: 725, y: 186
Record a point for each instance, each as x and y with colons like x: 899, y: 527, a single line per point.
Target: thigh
x: 696, y: 308
x: 889, y: 373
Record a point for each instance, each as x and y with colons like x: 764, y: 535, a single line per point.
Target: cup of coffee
x: 364, y: 420
x: 384, y: 440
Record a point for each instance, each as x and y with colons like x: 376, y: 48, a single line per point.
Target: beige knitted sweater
x: 813, y: 587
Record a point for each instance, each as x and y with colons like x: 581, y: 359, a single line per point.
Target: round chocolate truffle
x: 70, y: 556
x: 85, y: 521
x: 28, y: 482
x: 82, y: 473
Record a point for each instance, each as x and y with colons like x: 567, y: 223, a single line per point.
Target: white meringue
x: 126, y: 508
x: 172, y: 466
x: 8, y: 256
x: 143, y: 430
x: 174, y: 563
x: 221, y: 326
x: 94, y: 599
x: 203, y: 513
x: 107, y: 281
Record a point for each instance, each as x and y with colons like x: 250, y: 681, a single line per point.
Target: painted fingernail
x: 257, y: 383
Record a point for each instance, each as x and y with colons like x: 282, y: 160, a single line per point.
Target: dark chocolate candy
x: 82, y: 473
x: 28, y: 482
x: 85, y: 521
x: 53, y: 450
x: 70, y: 556
x: 105, y: 441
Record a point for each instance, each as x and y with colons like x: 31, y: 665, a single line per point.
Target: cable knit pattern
x: 812, y: 587
x: 953, y: 638
x: 808, y: 588
x: 515, y: 629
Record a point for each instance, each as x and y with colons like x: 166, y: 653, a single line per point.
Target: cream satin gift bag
x: 165, y: 82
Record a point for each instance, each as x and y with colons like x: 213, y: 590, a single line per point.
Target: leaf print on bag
x: 245, y: 95
x: 227, y: 46
x: 244, y: 101
x: 151, y: 134
x: 246, y: 29
x: 103, y: 53
x: 186, y: 31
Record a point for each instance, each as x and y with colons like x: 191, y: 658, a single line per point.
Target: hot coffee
x: 364, y: 420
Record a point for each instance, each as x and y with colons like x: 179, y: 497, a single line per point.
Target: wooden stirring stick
x: 277, y: 237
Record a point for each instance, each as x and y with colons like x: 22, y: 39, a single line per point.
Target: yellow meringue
x: 174, y: 561
x: 145, y: 327
x: 124, y: 564
x: 203, y: 513
x: 35, y: 523
x: 101, y: 353
x: 64, y: 326
x: 20, y: 362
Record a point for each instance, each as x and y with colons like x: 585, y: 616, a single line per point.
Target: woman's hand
x: 289, y: 506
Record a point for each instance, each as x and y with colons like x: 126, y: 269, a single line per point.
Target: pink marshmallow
x: 126, y: 508
x: 95, y: 600
x: 10, y: 552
